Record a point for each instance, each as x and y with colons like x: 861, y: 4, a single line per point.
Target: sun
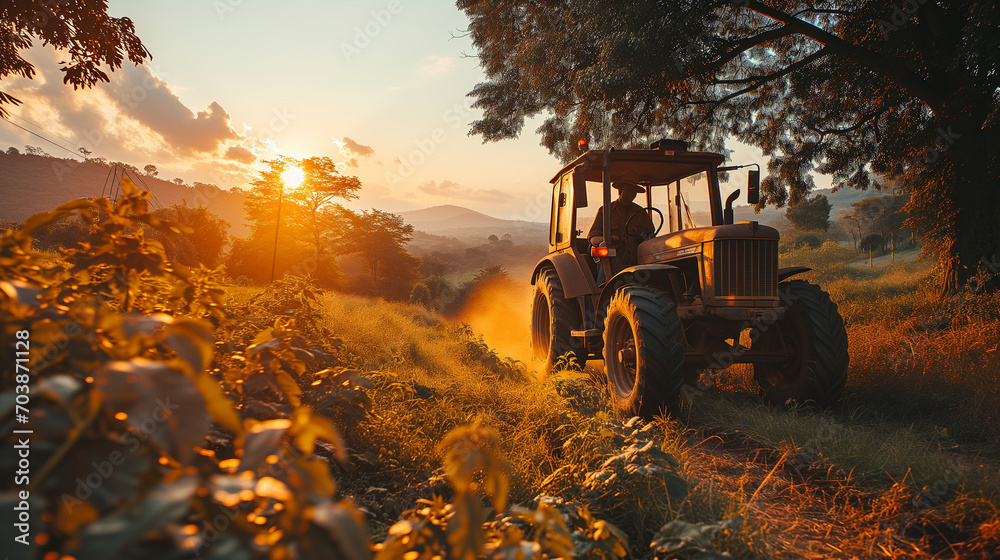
x: 292, y: 177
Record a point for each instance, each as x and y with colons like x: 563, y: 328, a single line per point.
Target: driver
x: 622, y: 210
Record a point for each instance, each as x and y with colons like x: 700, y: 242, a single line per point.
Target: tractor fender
x: 574, y: 282
x: 789, y: 271
x: 666, y: 277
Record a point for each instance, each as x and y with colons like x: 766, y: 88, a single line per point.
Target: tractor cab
x: 683, y: 200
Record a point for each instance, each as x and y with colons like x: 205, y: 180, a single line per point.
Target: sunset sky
x: 378, y: 86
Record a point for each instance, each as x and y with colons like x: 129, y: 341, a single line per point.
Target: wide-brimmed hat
x: 628, y: 185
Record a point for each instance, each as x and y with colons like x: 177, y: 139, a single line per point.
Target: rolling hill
x: 34, y: 184
x: 471, y: 226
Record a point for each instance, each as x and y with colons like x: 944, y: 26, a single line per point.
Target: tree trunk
x: 977, y: 230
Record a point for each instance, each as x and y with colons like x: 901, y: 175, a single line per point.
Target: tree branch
x: 743, y: 45
x: 768, y: 78
x: 861, y: 122
x: 894, y: 70
x: 823, y: 11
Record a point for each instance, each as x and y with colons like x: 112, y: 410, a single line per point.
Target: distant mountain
x: 447, y: 217
x: 470, y: 226
x: 31, y: 184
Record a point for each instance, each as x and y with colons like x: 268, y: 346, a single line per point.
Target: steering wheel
x: 645, y: 235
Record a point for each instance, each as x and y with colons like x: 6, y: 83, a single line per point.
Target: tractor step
x: 588, y: 333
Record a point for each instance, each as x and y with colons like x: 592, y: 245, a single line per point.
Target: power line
x: 42, y: 128
x: 152, y: 194
x: 155, y: 200
x: 43, y: 138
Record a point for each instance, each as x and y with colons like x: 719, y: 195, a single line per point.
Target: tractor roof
x: 649, y: 167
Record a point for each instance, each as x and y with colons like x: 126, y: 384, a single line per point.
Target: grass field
x: 905, y: 465
x: 386, y: 428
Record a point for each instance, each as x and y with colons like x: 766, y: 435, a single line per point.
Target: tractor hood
x: 696, y: 236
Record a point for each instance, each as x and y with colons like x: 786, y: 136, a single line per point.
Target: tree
x: 312, y: 224
x: 82, y: 27
x: 433, y: 265
x: 905, y: 90
x: 882, y: 214
x: 35, y: 151
x: 853, y: 226
x: 872, y: 243
x: 810, y: 215
x: 378, y: 237
x: 205, y: 245
x: 151, y: 170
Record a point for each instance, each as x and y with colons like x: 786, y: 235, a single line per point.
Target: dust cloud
x: 500, y: 311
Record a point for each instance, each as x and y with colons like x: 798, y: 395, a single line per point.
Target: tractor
x: 705, y: 293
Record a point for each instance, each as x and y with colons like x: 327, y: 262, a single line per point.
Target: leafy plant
x: 123, y: 355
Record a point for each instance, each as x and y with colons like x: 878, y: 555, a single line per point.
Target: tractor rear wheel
x: 552, y: 319
x: 643, y: 351
x: 813, y: 332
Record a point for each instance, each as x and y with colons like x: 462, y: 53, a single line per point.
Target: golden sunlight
x: 292, y: 177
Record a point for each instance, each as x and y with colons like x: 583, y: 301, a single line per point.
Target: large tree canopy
x: 857, y: 89
x: 82, y: 27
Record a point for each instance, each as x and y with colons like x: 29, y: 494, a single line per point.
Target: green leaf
x: 113, y: 535
x: 289, y: 387
x: 102, y: 472
x: 161, y: 403
x: 220, y: 408
x: 59, y: 388
x: 262, y: 440
x: 308, y: 427
x: 38, y: 221
x: 346, y: 528
x: 192, y: 341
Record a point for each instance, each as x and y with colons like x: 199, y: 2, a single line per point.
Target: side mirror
x: 753, y: 186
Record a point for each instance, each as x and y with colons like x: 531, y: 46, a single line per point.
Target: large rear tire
x: 552, y: 319
x: 813, y: 330
x: 643, y: 351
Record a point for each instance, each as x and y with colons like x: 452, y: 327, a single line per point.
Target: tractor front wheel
x: 552, y: 319
x: 812, y: 333
x: 643, y: 351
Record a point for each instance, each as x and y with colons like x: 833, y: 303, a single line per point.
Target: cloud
x: 452, y: 190
x: 240, y: 154
x: 149, y: 100
x: 136, y: 118
x: 349, y: 147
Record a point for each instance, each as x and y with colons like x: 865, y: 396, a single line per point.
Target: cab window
x: 688, y: 203
x: 561, y: 232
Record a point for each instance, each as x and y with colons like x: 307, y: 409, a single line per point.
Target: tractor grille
x: 746, y: 268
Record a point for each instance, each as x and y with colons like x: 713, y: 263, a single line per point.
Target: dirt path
x: 908, y: 255
x: 801, y: 511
